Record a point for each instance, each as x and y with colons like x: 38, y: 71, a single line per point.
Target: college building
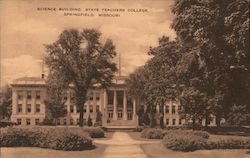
x: 117, y: 109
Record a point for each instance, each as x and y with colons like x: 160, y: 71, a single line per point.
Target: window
x: 179, y: 121
x: 28, y: 107
x: 71, y: 122
x: 19, y: 121
x: 173, y: 122
x: 37, y: 108
x: 58, y: 121
x: 97, y: 108
x: 91, y: 108
x: 84, y: 108
x: 167, y: 121
x: 179, y: 108
x: 173, y: 109
x: 71, y: 108
x: 65, y: 98
x: 97, y: 96
x: 91, y: 96
x: 19, y: 95
x: 19, y: 108
x: 77, y: 109
x: 37, y: 121
x: 167, y: 109
x: 37, y: 95
x: 64, y: 121
x: 110, y: 114
x: 29, y: 95
x: 27, y: 121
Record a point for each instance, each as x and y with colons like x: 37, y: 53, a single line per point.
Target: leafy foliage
x: 45, y: 137
x: 6, y: 104
x: 79, y: 58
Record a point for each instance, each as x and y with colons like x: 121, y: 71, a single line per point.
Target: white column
x: 125, y: 106
x: 157, y: 108
x: 14, y: 102
x: 94, y: 104
x: 24, y: 106
x: 115, y: 106
x: 33, y: 102
x: 164, y: 113
x: 134, y: 109
x: 68, y: 101
x: 104, y: 109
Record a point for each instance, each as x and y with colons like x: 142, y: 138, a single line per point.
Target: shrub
x: 187, y: 140
x: 152, y: 133
x: 45, y: 137
x: 184, y: 141
x: 95, y: 132
x: 231, y: 143
x: 5, y: 123
x: 139, y: 128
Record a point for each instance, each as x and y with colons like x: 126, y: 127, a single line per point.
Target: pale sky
x: 24, y: 31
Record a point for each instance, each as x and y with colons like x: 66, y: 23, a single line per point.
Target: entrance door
x: 129, y: 115
x: 119, y: 115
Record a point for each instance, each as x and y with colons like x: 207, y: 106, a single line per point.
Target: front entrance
x: 119, y: 115
x: 129, y: 114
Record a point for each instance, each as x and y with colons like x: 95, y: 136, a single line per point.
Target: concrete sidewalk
x: 121, y: 145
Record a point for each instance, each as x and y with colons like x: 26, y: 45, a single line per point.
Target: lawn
x: 159, y: 151
x: 31, y: 152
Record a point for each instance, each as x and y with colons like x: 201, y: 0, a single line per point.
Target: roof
x: 29, y: 81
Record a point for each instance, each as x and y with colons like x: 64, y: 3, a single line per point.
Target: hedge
x: 184, y: 141
x: 196, y: 140
x: 152, y: 133
x: 45, y: 137
x: 156, y: 133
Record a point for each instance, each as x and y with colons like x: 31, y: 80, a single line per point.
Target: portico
x: 119, y: 108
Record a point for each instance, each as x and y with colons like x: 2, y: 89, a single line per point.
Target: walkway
x: 121, y: 145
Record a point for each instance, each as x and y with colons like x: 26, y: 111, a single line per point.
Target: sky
x: 25, y: 30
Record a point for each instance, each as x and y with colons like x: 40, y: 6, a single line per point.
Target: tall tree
x: 55, y: 102
x: 6, y: 104
x: 219, y: 30
x: 82, y: 60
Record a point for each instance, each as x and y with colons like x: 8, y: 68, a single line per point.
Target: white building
x: 116, y: 107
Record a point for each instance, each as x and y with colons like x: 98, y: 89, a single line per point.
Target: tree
x: 6, y: 104
x: 194, y: 104
x: 55, y: 102
x: 155, y: 82
x: 219, y: 31
x: 82, y: 60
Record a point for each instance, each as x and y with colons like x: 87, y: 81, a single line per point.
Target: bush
x: 231, y: 143
x: 95, y: 132
x: 187, y: 140
x: 202, y: 134
x: 152, y: 133
x: 184, y: 141
x: 139, y: 128
x: 5, y: 123
x: 45, y: 137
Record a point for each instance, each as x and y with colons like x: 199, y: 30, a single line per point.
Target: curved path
x: 121, y: 145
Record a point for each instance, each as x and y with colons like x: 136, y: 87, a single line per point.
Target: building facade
x: 117, y: 109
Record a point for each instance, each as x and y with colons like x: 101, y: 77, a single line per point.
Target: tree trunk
x: 81, y: 98
x: 217, y: 120
x: 193, y: 125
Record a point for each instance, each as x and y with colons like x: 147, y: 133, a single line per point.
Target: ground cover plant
x: 59, y: 138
